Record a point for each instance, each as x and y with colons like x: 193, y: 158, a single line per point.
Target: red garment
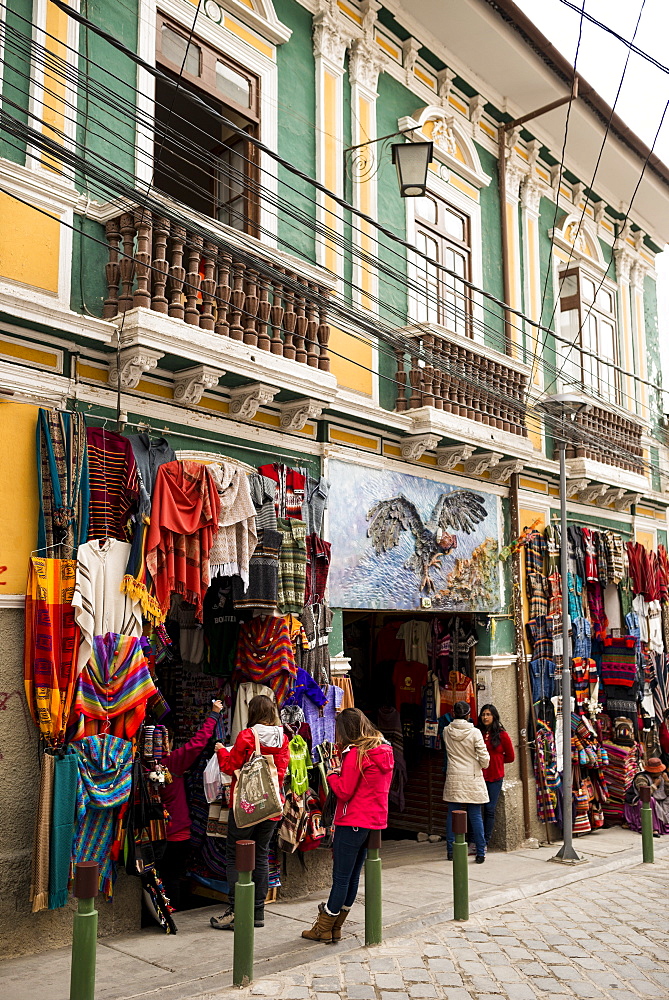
x: 362, y: 795
x: 174, y: 795
x: 114, y: 485
x: 265, y: 655
x: 409, y: 679
x: 458, y: 687
x: 318, y: 567
x: 230, y: 761
x: 499, y: 756
x: 664, y: 738
x: 184, y: 520
x: 388, y: 646
x: 290, y: 484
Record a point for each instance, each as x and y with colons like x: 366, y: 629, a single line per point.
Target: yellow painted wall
x: 647, y: 538
x: 345, y: 351
x: 29, y: 245
x: 18, y: 494
x: 57, y: 23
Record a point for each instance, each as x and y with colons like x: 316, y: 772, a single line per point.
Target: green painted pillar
x: 647, y: 845
x: 84, y: 932
x: 373, y: 890
x: 242, y: 958
x: 460, y: 872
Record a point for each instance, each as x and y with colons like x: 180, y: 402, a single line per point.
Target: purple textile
x: 322, y: 721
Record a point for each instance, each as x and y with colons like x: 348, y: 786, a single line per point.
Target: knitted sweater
x: 236, y: 538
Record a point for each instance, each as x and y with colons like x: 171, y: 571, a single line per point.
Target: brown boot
x: 322, y: 929
x: 336, y: 927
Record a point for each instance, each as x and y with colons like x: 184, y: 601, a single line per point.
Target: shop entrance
x: 407, y: 671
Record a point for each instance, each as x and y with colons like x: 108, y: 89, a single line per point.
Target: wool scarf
x: 184, y: 518
x: 62, y: 826
x: 62, y: 481
x: 236, y: 537
x: 39, y: 886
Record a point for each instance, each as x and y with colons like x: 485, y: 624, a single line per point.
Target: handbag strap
x: 257, y: 739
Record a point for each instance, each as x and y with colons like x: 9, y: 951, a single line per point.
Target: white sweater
x: 99, y: 606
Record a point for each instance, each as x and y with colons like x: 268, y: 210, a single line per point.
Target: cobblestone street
x: 602, y: 938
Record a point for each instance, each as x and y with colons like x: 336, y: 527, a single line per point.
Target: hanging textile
x: 289, y: 489
x: 315, y: 658
x: 114, y: 484
x: 114, y: 686
x: 546, y: 775
x: 236, y: 537
x: 185, y: 511
x: 265, y: 655
x: 62, y: 825
x: 62, y: 481
x: 292, y: 565
x: 50, y: 649
x: 263, y: 589
x: 318, y: 567
x: 105, y: 778
x: 99, y: 604
x: 137, y: 581
x: 39, y: 884
x: 315, y: 502
x: 149, y: 456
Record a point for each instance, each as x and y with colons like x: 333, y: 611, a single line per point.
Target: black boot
x: 259, y: 916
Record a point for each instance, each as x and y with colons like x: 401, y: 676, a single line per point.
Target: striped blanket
x: 105, y: 778
x: 115, y: 684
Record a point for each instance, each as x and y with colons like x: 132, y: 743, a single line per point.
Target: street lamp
x: 566, y: 406
x: 412, y: 160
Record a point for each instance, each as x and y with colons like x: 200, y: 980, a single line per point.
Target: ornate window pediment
x: 578, y: 239
x: 453, y: 146
x: 257, y: 14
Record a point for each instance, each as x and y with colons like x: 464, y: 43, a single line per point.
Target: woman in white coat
x: 465, y: 787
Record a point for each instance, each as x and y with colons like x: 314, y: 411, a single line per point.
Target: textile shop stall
x: 158, y: 586
x: 619, y: 627
x: 407, y: 672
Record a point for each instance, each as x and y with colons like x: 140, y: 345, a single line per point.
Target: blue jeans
x: 474, y: 826
x: 494, y: 788
x: 349, y: 851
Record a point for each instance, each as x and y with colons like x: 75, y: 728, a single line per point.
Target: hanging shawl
x: 50, y: 650
x: 105, y: 777
x: 184, y: 518
x: 39, y: 882
x: 62, y: 825
x: 62, y: 481
x: 114, y: 484
x: 137, y: 582
x: 265, y: 655
x: 236, y: 538
x: 114, y: 685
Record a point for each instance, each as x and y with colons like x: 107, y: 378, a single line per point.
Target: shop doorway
x: 407, y: 670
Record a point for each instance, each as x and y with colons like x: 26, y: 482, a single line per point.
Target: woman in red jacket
x: 172, y: 865
x: 263, y: 720
x: 361, y: 785
x: 499, y: 746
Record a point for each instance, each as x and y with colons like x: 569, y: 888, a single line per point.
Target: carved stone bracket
x: 575, y: 486
x: 480, y: 463
x: 191, y: 383
x: 502, y: 472
x: 612, y: 495
x: 449, y: 457
x: 410, y: 49
x: 246, y: 400
x: 627, y: 501
x: 134, y: 362
x: 593, y: 492
x: 296, y: 413
x: 413, y: 448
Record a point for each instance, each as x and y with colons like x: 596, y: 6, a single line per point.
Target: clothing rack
x: 555, y: 518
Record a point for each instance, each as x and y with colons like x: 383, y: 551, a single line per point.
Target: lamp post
x: 566, y: 406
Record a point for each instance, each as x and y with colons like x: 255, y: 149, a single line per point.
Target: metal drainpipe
x: 521, y: 670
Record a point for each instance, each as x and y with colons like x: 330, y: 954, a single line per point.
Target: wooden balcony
x: 623, y: 447
x: 158, y: 265
x: 460, y: 378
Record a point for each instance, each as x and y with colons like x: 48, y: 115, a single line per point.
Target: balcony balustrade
x: 159, y: 265
x: 621, y: 446
x: 459, y: 379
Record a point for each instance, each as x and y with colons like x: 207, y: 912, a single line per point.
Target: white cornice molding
x: 482, y: 462
x: 26, y: 304
x: 41, y: 188
x: 496, y: 661
x: 413, y: 448
x: 32, y: 385
x: 8, y: 601
x: 210, y: 25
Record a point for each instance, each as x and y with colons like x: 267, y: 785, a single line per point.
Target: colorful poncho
x: 184, y: 519
x: 105, y: 777
x: 265, y: 655
x: 114, y: 484
x: 114, y: 685
x: 51, y: 639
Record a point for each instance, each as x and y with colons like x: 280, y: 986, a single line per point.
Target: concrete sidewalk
x: 417, y: 892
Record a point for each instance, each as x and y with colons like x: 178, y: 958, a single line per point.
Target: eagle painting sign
x: 400, y: 539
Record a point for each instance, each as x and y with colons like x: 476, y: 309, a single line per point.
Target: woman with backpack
x: 361, y: 786
x: 264, y: 730
x: 465, y: 786
x: 499, y: 746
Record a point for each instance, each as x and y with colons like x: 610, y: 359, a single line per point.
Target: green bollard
x: 460, y: 872
x: 373, y: 900
x: 245, y: 891
x: 647, y: 844
x: 84, y: 932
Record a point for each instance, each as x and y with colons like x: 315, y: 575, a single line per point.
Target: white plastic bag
x: 214, y: 780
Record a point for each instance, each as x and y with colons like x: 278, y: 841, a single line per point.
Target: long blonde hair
x: 353, y: 729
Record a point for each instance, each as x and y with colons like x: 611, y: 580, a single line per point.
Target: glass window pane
x: 604, y: 300
x: 568, y: 285
x: 606, y: 341
x: 587, y: 289
x: 174, y: 49
x: 454, y: 225
x: 426, y: 208
x: 233, y: 85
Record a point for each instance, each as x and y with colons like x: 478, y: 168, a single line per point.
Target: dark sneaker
x: 259, y: 918
x: 226, y: 921
x: 480, y: 858
x: 449, y: 856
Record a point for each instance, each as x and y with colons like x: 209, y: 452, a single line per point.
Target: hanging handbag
x: 257, y: 796
x: 329, y: 810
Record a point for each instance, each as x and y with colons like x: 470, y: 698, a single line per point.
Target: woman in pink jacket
x: 361, y: 785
